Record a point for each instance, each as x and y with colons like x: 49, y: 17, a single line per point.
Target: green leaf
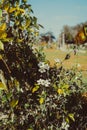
x: 0, y: 14
x: 1, y: 46
x: 4, y: 99
x: 9, y: 95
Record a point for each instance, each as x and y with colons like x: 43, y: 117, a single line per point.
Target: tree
x: 72, y: 33
x: 68, y: 31
x: 47, y: 37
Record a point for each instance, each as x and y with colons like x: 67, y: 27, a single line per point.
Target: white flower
x: 46, y: 66
x: 43, y: 82
x: 47, y: 83
x: 41, y: 64
x: 42, y: 70
x: 40, y: 82
x: 65, y: 126
x: 43, y: 67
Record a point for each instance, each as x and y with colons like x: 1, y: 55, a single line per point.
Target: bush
x: 33, y: 95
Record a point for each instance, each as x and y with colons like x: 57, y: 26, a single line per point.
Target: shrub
x: 33, y: 95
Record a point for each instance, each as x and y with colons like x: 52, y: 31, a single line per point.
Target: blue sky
x: 54, y: 14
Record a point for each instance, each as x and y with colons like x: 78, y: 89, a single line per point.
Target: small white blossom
x: 43, y: 67
x: 42, y: 70
x: 43, y: 82
x: 46, y: 66
x: 40, y: 82
x: 65, y: 126
x: 47, y: 83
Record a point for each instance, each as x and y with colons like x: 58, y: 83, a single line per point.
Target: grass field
x: 79, y: 60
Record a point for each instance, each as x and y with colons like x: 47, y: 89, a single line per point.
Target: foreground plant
x: 33, y: 95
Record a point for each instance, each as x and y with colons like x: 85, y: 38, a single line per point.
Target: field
x: 79, y: 60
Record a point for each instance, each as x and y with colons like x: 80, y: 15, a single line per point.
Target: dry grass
x: 79, y: 60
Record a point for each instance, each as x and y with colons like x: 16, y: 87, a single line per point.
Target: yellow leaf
x: 17, y: 22
x: 3, y: 35
x: 41, y: 100
x: 60, y: 91
x: 21, y: 27
x: 21, y: 10
x: 14, y: 103
x: 36, y: 34
x: 27, y: 23
x: 3, y: 86
x: 7, y: 39
x: 17, y: 84
x: 31, y: 30
x: 11, y: 10
x: 16, y: 13
x: 19, y: 40
x: 2, y: 1
x: 35, y: 89
x: 65, y: 86
x: 71, y: 116
x: 0, y: 57
x: 67, y: 119
x: 6, y: 6
x: 3, y: 27
x: 83, y: 37
x: 1, y: 46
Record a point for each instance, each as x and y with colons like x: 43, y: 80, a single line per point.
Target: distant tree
x: 68, y: 34
x: 81, y: 37
x: 73, y: 34
x: 47, y: 37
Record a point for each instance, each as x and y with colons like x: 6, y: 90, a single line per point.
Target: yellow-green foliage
x: 33, y: 95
